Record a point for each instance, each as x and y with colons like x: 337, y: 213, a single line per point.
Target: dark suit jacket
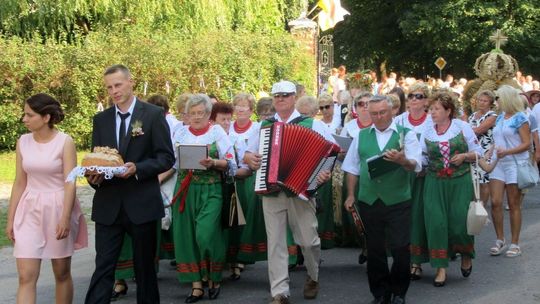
x: 152, y: 154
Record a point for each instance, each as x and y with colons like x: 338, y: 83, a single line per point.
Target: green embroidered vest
x: 204, y: 176
x: 391, y: 188
x: 435, y: 167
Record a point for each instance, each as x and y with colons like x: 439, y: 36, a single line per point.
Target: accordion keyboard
x: 264, y: 146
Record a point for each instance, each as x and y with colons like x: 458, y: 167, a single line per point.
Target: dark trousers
x: 109, y: 240
x: 387, y: 227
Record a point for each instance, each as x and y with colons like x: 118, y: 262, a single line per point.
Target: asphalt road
x: 494, y: 279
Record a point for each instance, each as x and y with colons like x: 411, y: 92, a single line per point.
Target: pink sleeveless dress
x: 42, y: 201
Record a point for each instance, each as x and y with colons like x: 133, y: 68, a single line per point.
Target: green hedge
x: 73, y: 73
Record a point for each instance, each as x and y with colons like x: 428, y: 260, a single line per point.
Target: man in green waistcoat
x: 280, y: 209
x: 384, y: 198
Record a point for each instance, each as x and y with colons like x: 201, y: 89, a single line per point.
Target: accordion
x: 292, y: 157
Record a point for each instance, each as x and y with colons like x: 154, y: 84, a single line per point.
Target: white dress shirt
x: 413, y: 151
x: 127, y: 121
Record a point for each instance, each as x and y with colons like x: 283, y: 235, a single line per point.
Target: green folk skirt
x: 325, y: 218
x: 199, y: 240
x: 446, y: 203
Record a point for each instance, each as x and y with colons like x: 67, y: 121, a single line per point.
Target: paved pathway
x: 497, y: 280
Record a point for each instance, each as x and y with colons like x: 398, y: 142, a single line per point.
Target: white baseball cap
x: 283, y: 86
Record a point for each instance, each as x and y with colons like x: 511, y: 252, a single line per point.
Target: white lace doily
x: 108, y: 172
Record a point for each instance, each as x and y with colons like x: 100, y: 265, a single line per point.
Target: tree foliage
x: 407, y: 36
x: 65, y: 20
x: 73, y: 73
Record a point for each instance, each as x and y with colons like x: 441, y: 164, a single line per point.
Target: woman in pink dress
x: 45, y: 219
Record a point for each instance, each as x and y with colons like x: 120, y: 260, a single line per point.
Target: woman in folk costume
x: 417, y: 120
x: 247, y: 243
x: 198, y: 236
x: 449, y: 145
x: 362, y: 119
x: 352, y: 128
x: 325, y: 216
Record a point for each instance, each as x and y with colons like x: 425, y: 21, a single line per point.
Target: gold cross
x: 499, y: 38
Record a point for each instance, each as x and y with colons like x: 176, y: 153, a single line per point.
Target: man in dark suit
x: 130, y: 202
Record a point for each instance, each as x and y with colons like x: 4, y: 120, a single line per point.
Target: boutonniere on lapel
x: 136, y: 128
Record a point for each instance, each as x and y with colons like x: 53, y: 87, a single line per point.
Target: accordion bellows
x: 292, y: 157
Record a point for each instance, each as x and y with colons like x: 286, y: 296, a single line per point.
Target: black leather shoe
x: 213, y: 293
x: 439, y: 283
x: 398, y: 300
x: 466, y: 272
x: 193, y: 298
x: 115, y: 295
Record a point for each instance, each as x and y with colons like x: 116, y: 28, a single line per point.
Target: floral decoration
x: 136, y: 128
x: 360, y: 80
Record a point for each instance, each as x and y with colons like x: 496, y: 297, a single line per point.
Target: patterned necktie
x: 122, y: 131
x: 444, y: 147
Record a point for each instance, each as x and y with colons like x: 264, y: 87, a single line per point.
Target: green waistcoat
x: 392, y: 187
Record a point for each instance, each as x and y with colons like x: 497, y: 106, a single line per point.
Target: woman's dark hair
x: 221, y: 107
x: 446, y: 99
x: 44, y: 104
x: 160, y: 101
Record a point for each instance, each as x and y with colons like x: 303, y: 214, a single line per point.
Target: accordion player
x: 292, y: 157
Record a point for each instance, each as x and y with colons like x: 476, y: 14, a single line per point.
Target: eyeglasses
x: 362, y: 104
x: 326, y: 107
x: 416, y: 96
x: 197, y: 114
x: 241, y: 108
x: 284, y: 95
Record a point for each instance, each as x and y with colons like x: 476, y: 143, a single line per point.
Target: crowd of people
x: 218, y: 221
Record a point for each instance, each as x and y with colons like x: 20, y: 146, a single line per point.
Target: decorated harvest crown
x: 493, y: 69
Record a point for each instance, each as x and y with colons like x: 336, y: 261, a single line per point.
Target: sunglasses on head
x: 326, y: 107
x: 278, y: 95
x: 416, y: 96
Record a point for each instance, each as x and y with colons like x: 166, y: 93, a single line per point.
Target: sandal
x: 416, y: 272
x: 513, y: 251
x: 500, y: 246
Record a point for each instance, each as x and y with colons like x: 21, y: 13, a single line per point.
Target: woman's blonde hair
x: 508, y: 100
x: 420, y: 86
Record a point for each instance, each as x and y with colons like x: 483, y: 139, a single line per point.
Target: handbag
x: 527, y: 173
x: 477, y: 215
x: 167, y: 193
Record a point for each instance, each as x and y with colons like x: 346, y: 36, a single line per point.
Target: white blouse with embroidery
x: 214, y: 134
x: 456, y: 126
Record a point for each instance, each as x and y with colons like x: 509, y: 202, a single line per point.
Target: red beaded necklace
x: 419, y: 121
x: 361, y: 126
x: 200, y: 131
x: 240, y: 130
